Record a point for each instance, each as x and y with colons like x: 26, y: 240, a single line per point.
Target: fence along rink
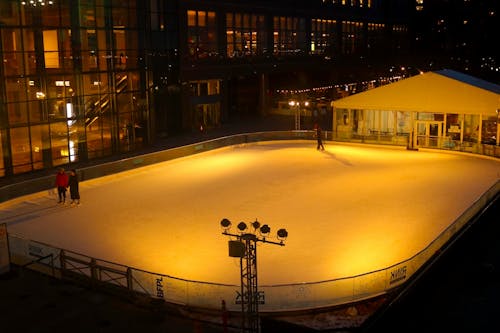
x: 291, y: 297
x: 61, y: 263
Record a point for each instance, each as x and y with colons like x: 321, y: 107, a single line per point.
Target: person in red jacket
x: 61, y: 184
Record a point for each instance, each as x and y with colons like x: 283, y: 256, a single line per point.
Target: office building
x: 85, y: 79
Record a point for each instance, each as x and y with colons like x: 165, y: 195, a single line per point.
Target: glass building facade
x: 85, y: 79
x: 73, y: 82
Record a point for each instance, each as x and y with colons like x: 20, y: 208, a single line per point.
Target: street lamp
x: 245, y: 248
x: 296, y: 105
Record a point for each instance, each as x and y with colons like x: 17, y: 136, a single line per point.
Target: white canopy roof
x: 444, y: 91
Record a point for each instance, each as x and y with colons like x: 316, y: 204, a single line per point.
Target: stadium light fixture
x: 245, y: 247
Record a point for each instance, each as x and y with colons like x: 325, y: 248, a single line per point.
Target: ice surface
x: 348, y: 210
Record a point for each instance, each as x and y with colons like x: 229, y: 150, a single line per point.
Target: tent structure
x: 442, y: 106
x: 444, y: 91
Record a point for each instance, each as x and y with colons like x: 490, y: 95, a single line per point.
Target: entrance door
x: 428, y: 133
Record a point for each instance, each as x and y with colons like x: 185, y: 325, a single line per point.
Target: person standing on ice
x: 61, y: 184
x: 319, y: 138
x: 73, y: 187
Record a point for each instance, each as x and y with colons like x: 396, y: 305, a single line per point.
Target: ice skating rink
x: 348, y: 210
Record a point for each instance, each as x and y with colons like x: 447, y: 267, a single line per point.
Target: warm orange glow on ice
x: 348, y: 210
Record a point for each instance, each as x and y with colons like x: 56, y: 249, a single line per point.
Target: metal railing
x: 432, y: 142
x: 12, y: 191
x: 285, y: 297
x: 277, y: 298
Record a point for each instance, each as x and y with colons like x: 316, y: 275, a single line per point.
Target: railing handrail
x: 363, y: 291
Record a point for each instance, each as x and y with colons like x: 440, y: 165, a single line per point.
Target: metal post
x: 130, y: 279
x: 297, y: 118
x: 249, y: 284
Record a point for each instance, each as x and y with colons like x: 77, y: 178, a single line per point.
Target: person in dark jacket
x: 73, y: 187
x: 61, y: 184
x: 319, y: 138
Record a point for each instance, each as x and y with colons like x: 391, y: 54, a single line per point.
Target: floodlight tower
x: 296, y: 106
x: 245, y: 248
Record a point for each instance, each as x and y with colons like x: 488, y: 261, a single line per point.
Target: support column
x: 480, y: 131
x: 334, y: 122
x: 249, y: 299
x: 498, y: 127
x: 263, y: 99
x: 462, y: 116
x: 4, y: 133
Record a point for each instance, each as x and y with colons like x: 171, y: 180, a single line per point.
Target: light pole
x: 245, y: 248
x: 296, y: 105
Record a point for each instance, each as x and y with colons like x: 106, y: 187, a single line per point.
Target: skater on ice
x: 61, y: 184
x: 319, y: 138
x: 73, y: 187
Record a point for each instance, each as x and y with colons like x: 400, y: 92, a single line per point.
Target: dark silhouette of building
x: 86, y: 79
x: 458, y: 34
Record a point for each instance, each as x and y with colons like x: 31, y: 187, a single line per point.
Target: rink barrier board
x: 291, y: 297
x: 272, y: 298
x: 9, y: 192
x: 45, y: 183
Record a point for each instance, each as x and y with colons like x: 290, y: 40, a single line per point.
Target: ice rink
x: 348, y: 210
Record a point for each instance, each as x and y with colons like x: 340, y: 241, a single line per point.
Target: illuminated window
x: 205, y: 88
x: 13, y: 59
x: 51, y: 49
x: 419, y: 5
x: 201, y: 34
x: 245, y: 34
x: 352, y: 33
x: 205, y: 114
x: 489, y: 130
x: 375, y: 36
x: 57, y: 49
x: 289, y: 36
x: 322, y: 36
x: 21, y: 147
x: 399, y: 37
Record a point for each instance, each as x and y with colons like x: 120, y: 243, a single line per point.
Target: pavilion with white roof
x: 440, y: 109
